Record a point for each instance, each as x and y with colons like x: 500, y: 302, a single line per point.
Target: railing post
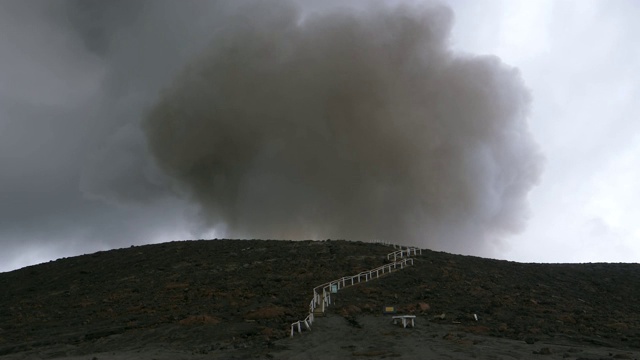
x: 323, y: 299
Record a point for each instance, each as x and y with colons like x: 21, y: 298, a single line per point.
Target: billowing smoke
x: 356, y: 124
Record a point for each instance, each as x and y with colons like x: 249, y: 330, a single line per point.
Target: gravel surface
x: 237, y: 299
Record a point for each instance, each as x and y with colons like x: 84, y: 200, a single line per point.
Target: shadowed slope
x: 238, y: 296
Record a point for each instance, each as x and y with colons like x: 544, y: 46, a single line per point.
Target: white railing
x: 323, y: 300
x: 307, y: 322
x: 404, y: 252
x: 327, y: 288
x: 382, y: 242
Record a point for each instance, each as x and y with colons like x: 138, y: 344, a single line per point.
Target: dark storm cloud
x: 75, y: 77
x: 98, y: 22
x: 351, y: 124
x: 145, y: 43
x: 358, y: 124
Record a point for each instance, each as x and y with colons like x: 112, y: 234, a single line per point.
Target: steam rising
x: 352, y: 124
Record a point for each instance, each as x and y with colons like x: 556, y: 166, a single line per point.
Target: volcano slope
x: 237, y: 299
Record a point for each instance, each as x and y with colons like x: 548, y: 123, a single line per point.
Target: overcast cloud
x: 581, y: 61
x: 77, y: 78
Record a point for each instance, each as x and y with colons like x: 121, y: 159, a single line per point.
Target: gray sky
x: 580, y: 60
x: 78, y: 77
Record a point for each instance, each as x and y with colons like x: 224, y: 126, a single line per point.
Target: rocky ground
x: 237, y: 299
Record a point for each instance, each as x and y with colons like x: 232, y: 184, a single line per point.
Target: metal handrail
x: 324, y: 300
x: 402, y: 252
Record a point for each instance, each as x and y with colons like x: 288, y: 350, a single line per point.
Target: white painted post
x: 323, y: 299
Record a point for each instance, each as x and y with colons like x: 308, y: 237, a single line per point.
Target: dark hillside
x: 204, y: 296
x: 178, y: 294
x: 594, y: 303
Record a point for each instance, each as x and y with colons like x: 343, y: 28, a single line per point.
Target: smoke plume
x: 356, y: 124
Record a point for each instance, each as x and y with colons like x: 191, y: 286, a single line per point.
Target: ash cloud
x: 356, y: 124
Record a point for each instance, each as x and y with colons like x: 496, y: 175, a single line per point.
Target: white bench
x: 405, y: 320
